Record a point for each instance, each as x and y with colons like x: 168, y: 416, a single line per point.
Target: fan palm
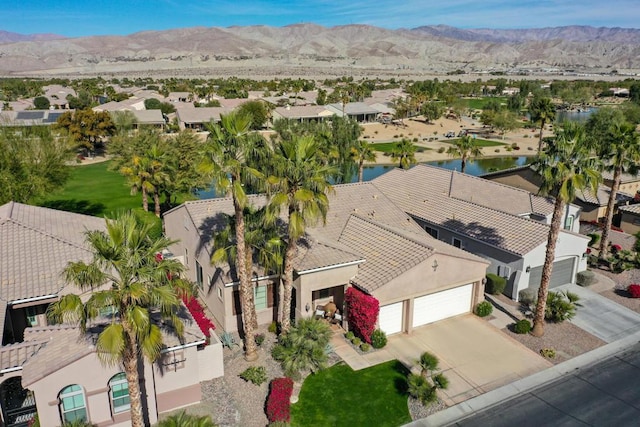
x: 404, y: 152
x: 124, y: 259
x: 229, y: 148
x: 542, y: 110
x: 299, y: 183
x: 564, y: 167
x: 465, y: 148
x: 623, y: 152
x: 362, y: 152
x: 183, y: 419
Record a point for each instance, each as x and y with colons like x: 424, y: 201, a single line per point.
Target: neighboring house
x: 358, y: 111
x: 593, y: 206
x: 149, y: 118
x: 630, y: 218
x: 41, y: 365
x: 190, y: 117
x: 180, y: 97
x: 30, y: 117
x: 507, y: 226
x: 131, y: 104
x: 310, y: 113
x: 57, y: 95
x: 629, y: 183
x: 367, y: 242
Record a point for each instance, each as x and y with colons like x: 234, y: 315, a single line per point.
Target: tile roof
x: 601, y: 198
x: 424, y: 192
x: 15, y: 355
x: 624, y: 178
x: 148, y: 117
x: 303, y: 111
x: 634, y: 209
x: 36, y: 244
x: 200, y: 115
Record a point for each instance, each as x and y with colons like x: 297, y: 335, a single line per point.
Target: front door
x: 18, y: 404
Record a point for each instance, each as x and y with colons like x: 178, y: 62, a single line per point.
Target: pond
x: 477, y: 167
x: 580, y: 116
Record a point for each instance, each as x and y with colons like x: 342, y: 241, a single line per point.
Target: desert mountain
x: 8, y: 37
x: 430, y: 49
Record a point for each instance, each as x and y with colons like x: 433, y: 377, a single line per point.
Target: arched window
x: 73, y: 405
x: 119, y: 393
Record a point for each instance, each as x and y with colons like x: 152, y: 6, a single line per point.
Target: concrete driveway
x: 602, y: 317
x: 475, y: 356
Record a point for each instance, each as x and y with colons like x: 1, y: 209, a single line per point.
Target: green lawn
x: 387, y: 147
x: 340, y: 396
x: 95, y: 190
x: 479, y: 142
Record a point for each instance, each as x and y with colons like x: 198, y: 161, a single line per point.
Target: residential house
x: 358, y: 111
x: 195, y: 118
x: 367, y: 242
x: 44, y: 368
x: 310, y: 113
x: 505, y: 225
x: 30, y: 117
x: 149, y: 118
x: 57, y: 95
x: 630, y: 218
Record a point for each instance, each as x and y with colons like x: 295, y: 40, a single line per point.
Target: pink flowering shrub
x: 634, y: 290
x: 279, y: 400
x: 197, y: 312
x: 616, y: 248
x: 362, y: 313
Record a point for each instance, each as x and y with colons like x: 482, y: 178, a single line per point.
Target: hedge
x: 495, y: 284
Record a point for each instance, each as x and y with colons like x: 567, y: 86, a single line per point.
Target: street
x: 605, y: 394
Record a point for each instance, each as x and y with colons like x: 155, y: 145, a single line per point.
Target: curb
x: 502, y: 394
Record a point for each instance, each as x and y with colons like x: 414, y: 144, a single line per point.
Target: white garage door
x: 390, y: 318
x: 438, y: 306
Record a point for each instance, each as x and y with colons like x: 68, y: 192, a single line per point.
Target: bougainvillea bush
x: 362, y: 313
x: 634, y: 290
x: 198, y: 314
x: 279, y: 400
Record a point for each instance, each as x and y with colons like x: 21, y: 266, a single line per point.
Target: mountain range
x: 318, y: 50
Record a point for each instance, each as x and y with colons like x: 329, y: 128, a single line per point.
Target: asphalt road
x: 604, y: 394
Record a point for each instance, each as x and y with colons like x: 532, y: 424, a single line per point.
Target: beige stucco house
x: 367, y: 242
x: 53, y: 370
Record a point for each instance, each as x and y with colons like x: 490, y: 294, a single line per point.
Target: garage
x: 441, y: 305
x: 390, y: 318
x: 561, y: 274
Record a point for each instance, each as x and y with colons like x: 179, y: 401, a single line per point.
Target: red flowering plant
x: 616, y: 248
x: 279, y: 400
x: 362, y: 313
x: 634, y: 290
x: 198, y: 314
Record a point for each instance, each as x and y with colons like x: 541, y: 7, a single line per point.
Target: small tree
x: 423, y: 386
x: 362, y: 313
x: 41, y: 102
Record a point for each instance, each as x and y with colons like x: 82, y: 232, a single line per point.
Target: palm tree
x: 465, y: 148
x: 542, y: 110
x: 137, y: 285
x: 229, y: 147
x: 137, y: 174
x: 404, y: 152
x: 564, y: 167
x: 159, y: 171
x: 623, y: 153
x: 299, y: 183
x: 362, y: 152
x: 262, y: 241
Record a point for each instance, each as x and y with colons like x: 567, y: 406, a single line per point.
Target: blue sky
x: 97, y: 17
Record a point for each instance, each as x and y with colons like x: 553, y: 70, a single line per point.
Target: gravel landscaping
x: 619, y: 294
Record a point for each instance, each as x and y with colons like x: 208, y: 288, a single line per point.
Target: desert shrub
x: 622, y: 260
x: 522, y: 326
x: 530, y: 148
x: 259, y: 339
x: 497, y: 150
x: 279, y: 400
x: 303, y: 347
x: 420, y: 388
x: 495, y: 284
x: 634, y: 290
x: 561, y: 306
x: 378, y: 338
x: 356, y: 341
x: 365, y: 347
x: 595, y: 238
x: 586, y: 278
x: 484, y: 308
x: 527, y: 296
x: 515, y: 146
x: 415, y: 139
x: 428, y: 362
x: 423, y: 386
x: 183, y: 419
x: 549, y: 353
x: 255, y: 374
x: 349, y: 335
x: 441, y: 150
x: 363, y: 312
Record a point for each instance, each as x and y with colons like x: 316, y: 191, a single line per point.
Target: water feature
x: 477, y: 167
x: 580, y: 115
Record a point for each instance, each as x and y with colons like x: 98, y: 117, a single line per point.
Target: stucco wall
x: 628, y: 223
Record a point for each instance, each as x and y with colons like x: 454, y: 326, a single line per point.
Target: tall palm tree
x: 405, y: 153
x: 623, y: 153
x: 564, y: 167
x: 159, y: 171
x: 542, y: 110
x: 300, y: 183
x: 465, y: 148
x: 137, y: 284
x: 362, y: 152
x: 262, y: 241
x: 228, y: 148
x: 137, y: 174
